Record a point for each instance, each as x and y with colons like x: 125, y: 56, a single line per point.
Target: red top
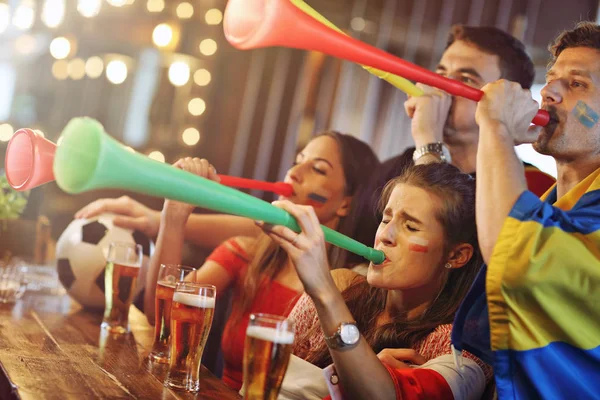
x: 538, y: 182
x: 272, y: 298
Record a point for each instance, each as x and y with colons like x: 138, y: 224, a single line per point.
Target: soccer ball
x: 81, y: 253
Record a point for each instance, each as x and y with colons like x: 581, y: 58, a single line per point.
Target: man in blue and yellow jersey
x: 543, y: 256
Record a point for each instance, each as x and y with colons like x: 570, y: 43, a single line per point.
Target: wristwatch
x: 346, y: 336
x: 437, y: 148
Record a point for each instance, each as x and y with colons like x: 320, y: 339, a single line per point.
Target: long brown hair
x: 366, y: 303
x: 267, y: 257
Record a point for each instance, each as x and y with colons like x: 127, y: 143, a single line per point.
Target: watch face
x: 349, y: 334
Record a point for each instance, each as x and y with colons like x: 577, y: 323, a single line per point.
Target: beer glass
x: 168, y: 276
x: 191, y: 318
x: 123, y: 265
x: 269, y: 344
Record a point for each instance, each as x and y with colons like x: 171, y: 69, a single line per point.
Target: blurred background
x: 160, y: 77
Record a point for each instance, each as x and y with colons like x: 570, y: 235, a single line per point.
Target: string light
x: 162, y: 35
x: 60, y: 70
x: 53, y: 13
x: 155, y: 6
x: 94, y: 67
x: 213, y: 16
x: 157, y: 155
x: 358, y: 24
x: 89, y: 8
x: 196, y: 106
x: 76, y: 69
x: 202, y: 77
x: 208, y: 47
x: 24, y: 15
x: 179, y: 73
x: 60, y: 48
x: 6, y: 132
x: 116, y: 72
x: 185, y: 10
x: 117, y: 3
x: 191, y: 136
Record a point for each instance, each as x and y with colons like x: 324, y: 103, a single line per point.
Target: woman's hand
x: 400, y: 358
x: 175, y: 210
x: 130, y: 214
x: 306, y: 249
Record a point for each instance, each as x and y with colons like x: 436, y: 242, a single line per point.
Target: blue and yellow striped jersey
x: 543, y: 298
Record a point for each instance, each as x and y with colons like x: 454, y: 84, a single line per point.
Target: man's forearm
x: 500, y: 182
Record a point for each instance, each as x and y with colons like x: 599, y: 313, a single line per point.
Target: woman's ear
x: 344, y: 208
x: 460, y: 255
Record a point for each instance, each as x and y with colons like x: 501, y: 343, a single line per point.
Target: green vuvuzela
x: 88, y: 158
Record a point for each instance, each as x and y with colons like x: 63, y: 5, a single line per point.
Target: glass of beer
x: 191, y: 318
x: 168, y: 277
x: 123, y: 265
x: 269, y: 344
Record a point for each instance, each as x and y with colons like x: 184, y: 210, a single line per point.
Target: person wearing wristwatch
x: 404, y: 307
x: 443, y: 127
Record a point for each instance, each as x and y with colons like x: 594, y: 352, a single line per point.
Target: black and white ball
x: 81, y: 253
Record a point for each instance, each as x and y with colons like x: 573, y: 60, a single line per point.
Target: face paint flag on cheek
x: 317, y: 200
x: 418, y: 244
x: 585, y: 115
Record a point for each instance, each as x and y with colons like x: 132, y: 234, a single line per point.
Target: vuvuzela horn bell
x: 251, y: 24
x: 89, y: 159
x: 28, y: 161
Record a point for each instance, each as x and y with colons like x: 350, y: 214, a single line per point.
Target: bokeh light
x: 6, y: 132
x: 60, y: 70
x: 185, y: 10
x: 76, y: 68
x: 116, y: 72
x: 155, y: 6
x: 157, y: 155
x: 208, y: 47
x: 202, y: 77
x: 196, y: 106
x: 89, y: 8
x: 53, y: 13
x: 213, y: 16
x: 24, y: 15
x: 162, y: 35
x: 94, y: 67
x: 60, y: 48
x: 179, y: 73
x: 191, y: 136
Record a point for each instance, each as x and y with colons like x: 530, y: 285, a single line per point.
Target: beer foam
x: 270, y: 334
x: 168, y: 284
x: 194, y: 300
x: 124, y: 264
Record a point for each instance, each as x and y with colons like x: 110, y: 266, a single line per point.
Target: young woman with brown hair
x: 333, y: 167
x: 404, y: 309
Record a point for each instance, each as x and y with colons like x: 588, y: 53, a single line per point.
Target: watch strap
x: 436, y: 148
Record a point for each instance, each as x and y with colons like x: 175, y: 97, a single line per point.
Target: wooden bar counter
x: 51, y: 348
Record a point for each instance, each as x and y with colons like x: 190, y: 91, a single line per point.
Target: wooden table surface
x: 50, y: 348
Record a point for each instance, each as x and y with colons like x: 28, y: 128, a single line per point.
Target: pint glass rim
x: 276, y: 321
x: 180, y: 266
x: 138, y: 250
x: 195, y: 285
